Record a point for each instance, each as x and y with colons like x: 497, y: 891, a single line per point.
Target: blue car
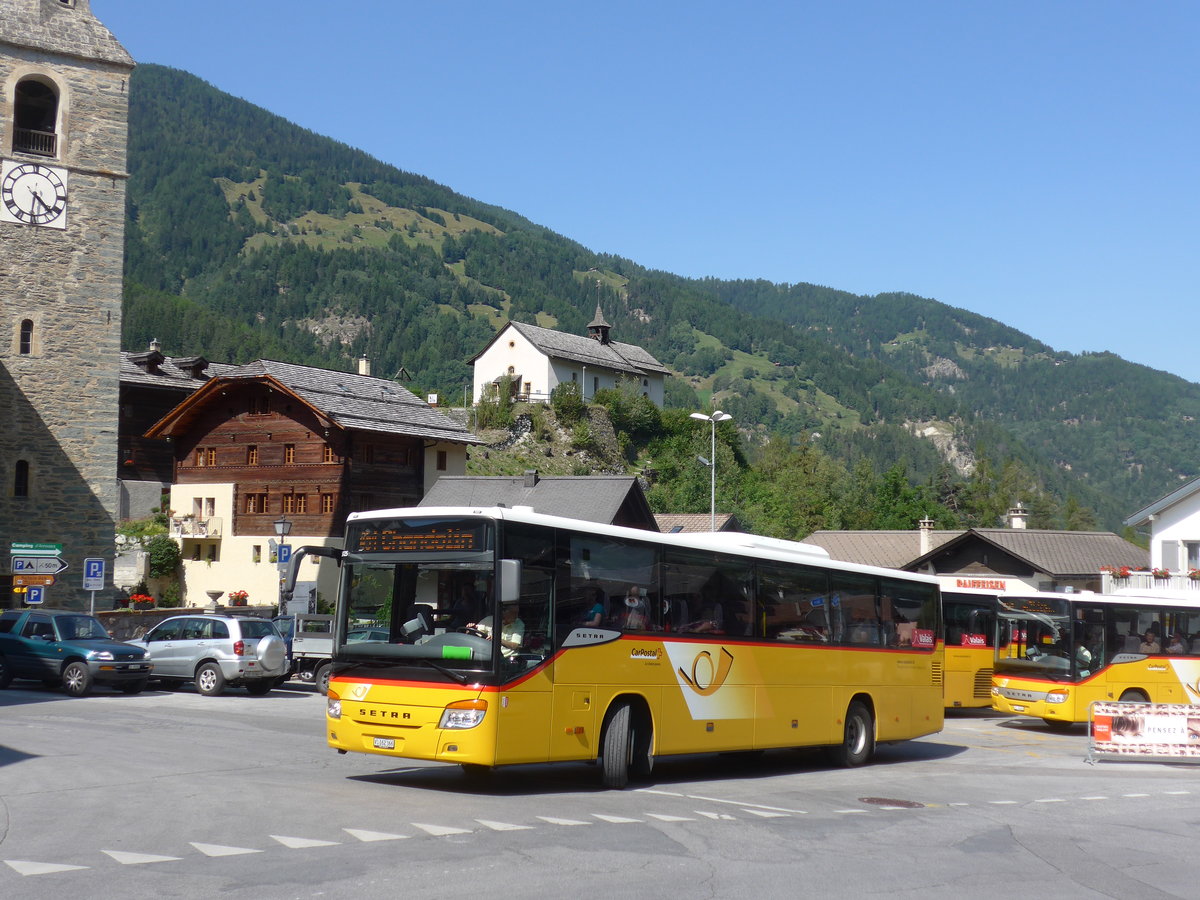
x: 60, y: 646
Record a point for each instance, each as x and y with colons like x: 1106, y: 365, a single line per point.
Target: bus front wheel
x: 618, y: 748
x: 1134, y: 697
x: 858, y: 741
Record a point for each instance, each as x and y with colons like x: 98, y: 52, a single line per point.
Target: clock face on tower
x: 33, y: 194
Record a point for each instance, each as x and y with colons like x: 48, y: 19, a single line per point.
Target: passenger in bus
x: 636, y: 616
x: 1149, y: 644
x: 512, y: 629
x: 597, y: 608
x: 1175, y: 645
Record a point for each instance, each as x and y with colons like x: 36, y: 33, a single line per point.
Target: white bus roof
x: 754, y: 545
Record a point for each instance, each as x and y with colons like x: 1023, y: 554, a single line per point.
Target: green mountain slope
x: 249, y: 236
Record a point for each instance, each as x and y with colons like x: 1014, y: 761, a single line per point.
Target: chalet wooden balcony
x: 1145, y: 581
x: 193, y: 527
x: 41, y: 143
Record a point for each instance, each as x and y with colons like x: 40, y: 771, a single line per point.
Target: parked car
x: 61, y: 646
x: 217, y: 651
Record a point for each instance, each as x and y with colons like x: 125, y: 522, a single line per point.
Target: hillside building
x: 64, y: 92
x: 269, y: 442
x: 1174, y: 523
x: 990, y: 559
x: 537, y: 360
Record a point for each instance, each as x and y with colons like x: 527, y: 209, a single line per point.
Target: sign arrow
x: 37, y: 565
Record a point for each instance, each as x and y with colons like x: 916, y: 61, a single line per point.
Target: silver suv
x: 216, y: 651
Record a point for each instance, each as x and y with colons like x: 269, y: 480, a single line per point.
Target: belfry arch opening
x: 35, y: 118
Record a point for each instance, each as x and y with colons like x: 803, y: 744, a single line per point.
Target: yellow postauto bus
x: 971, y: 643
x: 1066, y: 651
x: 489, y: 637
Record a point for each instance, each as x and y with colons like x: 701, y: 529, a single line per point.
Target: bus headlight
x: 463, y: 714
x: 1059, y: 696
x: 333, y: 708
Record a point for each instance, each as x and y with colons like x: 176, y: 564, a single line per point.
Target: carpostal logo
x: 653, y: 653
x: 708, y: 683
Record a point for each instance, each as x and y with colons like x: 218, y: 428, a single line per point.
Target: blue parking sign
x: 284, y: 554
x: 35, y: 595
x: 93, y: 574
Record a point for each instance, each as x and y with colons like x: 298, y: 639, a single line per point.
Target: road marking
x: 1050, y: 800
x: 1097, y: 797
x: 440, y: 830
x: 847, y: 812
x: 1176, y: 793
x: 663, y: 793
x: 766, y: 813
x: 137, y: 859
x: 25, y: 867
x: 665, y: 818
x: 716, y: 816
x: 1135, y: 795
x: 369, y: 836
x: 1003, y: 802
x: 221, y: 850
x: 615, y: 820
x: 554, y: 821
x: 782, y: 809
x: 295, y: 843
x: 503, y: 826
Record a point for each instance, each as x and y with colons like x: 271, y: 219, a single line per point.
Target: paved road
x: 170, y: 794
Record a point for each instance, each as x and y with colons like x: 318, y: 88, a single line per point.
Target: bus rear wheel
x: 858, y: 741
x: 1134, y: 697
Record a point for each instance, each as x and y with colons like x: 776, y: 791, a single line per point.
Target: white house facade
x: 540, y: 359
x: 1174, y: 523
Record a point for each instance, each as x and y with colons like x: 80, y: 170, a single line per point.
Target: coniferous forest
x: 249, y: 237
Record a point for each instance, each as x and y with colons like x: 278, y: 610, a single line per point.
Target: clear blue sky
x: 1034, y: 161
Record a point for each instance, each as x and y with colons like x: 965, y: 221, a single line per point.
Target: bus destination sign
x: 423, y: 537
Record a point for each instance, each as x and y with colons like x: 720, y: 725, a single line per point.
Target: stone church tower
x: 64, y: 89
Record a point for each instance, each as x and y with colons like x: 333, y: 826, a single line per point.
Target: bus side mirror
x: 510, y: 580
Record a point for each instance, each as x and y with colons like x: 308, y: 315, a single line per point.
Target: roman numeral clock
x: 33, y: 194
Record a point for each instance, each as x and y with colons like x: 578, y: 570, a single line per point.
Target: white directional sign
x: 37, y: 565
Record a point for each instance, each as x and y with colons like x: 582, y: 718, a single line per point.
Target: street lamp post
x: 716, y: 417
x: 283, y: 527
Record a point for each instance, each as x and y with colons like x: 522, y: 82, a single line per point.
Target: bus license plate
x: 385, y: 743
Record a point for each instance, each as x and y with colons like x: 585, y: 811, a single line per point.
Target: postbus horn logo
x: 706, y: 676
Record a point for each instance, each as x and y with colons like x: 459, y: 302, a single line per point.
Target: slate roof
x: 360, y: 402
x: 59, y: 29
x: 592, y: 498
x: 1065, y: 553
x: 892, y: 549
x: 170, y: 374
x: 588, y: 351
x: 353, y: 402
x: 1059, y: 554
x: 694, y: 523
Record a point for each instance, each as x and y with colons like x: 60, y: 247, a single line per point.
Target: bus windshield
x: 416, y: 610
x: 1036, y: 638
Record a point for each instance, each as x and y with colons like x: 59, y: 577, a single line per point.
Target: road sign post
x: 93, y: 578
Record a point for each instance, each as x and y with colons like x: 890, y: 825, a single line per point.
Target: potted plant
x: 1161, y: 573
x: 238, y: 598
x: 1194, y: 574
x: 141, y: 601
x: 1117, y: 571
